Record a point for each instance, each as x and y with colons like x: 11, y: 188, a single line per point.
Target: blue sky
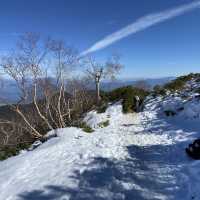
x: 166, y: 49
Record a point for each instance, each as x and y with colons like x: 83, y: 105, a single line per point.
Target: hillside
x: 128, y: 156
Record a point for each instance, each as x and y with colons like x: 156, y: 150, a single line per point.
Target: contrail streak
x: 141, y: 24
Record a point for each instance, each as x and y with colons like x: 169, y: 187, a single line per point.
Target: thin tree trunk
x: 69, y: 110
x: 38, y: 110
x: 35, y: 132
x: 62, y: 123
x: 51, y: 117
x: 98, y: 98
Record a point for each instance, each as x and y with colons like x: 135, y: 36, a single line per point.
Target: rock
x: 193, y: 150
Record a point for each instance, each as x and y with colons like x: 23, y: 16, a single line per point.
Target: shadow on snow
x: 150, y: 172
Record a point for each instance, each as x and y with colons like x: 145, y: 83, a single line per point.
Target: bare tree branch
x: 97, y: 72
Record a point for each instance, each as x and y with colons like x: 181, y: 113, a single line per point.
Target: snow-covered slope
x: 138, y: 156
x: 185, y: 103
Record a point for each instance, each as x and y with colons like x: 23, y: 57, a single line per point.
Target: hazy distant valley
x: 10, y: 92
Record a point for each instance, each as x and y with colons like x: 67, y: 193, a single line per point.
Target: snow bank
x: 112, y: 113
x: 185, y: 103
x: 172, y: 103
x: 185, y: 108
x: 191, y: 109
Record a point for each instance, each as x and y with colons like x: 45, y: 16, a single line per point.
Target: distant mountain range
x: 110, y: 85
x: 10, y: 91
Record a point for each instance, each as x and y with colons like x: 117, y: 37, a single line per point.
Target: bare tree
x: 25, y: 67
x: 65, y: 60
x: 53, y: 102
x: 97, y: 72
x: 82, y: 98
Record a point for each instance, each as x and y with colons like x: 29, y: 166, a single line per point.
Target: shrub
x: 175, y: 85
x: 128, y: 102
x: 104, y: 124
x: 117, y: 94
x: 127, y: 95
x: 158, y: 90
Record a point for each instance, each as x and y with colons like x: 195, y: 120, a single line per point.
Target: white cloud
x: 141, y: 24
x: 12, y: 34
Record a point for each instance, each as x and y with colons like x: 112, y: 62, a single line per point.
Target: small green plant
x: 9, y: 151
x: 102, y: 108
x: 158, y: 90
x: 104, y: 124
x: 169, y: 113
x: 86, y: 128
x: 81, y: 125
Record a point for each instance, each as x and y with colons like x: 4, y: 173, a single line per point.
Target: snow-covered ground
x: 138, y: 156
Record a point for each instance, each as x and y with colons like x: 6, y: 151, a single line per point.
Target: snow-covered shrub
x: 112, y: 113
x: 181, y: 82
x: 185, y: 104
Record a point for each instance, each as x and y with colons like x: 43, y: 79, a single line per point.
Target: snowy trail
x: 135, y: 157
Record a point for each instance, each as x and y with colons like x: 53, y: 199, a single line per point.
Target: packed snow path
x: 135, y: 157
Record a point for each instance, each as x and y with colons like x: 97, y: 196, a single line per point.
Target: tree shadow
x: 153, y: 172
x: 174, y: 127
x: 150, y: 172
